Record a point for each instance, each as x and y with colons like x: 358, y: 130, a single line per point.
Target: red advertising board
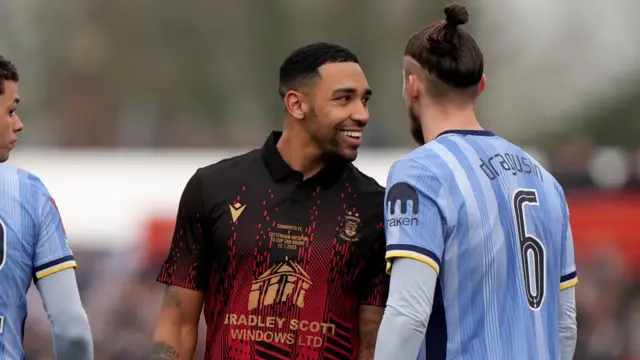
x: 597, y: 220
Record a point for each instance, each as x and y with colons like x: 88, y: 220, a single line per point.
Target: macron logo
x: 236, y: 210
x: 403, y: 193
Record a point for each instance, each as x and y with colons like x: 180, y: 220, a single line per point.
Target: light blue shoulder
x: 24, y: 178
x: 423, y: 153
x: 424, y: 159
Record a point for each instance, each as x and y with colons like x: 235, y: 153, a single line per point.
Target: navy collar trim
x: 467, y: 132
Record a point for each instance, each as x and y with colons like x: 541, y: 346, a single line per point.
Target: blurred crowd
x: 122, y: 297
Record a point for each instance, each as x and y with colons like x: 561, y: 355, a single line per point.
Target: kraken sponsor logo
x: 284, y: 281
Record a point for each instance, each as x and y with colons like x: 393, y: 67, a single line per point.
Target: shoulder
x: 230, y: 169
x: 420, y: 165
x: 363, y: 183
x: 210, y: 185
x: 417, y: 176
x: 23, y: 189
x: 18, y: 180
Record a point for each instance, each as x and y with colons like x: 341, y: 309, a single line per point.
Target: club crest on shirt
x: 349, y: 227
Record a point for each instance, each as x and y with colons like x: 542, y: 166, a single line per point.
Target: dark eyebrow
x: 351, y: 91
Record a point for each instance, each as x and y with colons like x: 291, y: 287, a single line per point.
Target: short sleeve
x: 374, y: 284
x: 569, y: 276
x: 186, y: 264
x: 413, y: 214
x: 52, y: 252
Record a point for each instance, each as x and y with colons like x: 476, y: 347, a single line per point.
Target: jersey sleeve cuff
x: 569, y: 280
x: 181, y: 283
x: 54, y: 266
x: 411, y: 252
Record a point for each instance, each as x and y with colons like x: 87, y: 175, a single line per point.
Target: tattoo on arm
x: 370, y: 318
x: 164, y: 351
x: 171, y: 297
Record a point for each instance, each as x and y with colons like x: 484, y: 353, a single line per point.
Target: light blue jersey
x: 33, y: 245
x: 494, y: 225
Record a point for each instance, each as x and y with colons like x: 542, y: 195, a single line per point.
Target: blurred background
x: 123, y: 100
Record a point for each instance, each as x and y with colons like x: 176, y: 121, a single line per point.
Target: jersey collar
x: 281, y: 171
x: 467, y: 132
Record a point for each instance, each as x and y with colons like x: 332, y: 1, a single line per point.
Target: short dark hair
x: 448, y: 53
x: 8, y: 72
x: 303, y: 63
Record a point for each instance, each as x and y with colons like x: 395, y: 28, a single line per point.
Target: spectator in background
x: 570, y: 163
x: 633, y: 184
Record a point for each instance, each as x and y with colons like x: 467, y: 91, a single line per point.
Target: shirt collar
x: 467, y: 132
x: 281, y: 171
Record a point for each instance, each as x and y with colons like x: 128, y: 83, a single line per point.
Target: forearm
x: 72, y: 338
x: 176, y: 333
x: 69, y: 324
x: 568, y: 325
x: 370, y: 318
x: 405, y: 319
x: 399, y: 336
x: 174, y: 342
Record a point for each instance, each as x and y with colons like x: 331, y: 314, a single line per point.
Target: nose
x: 17, y: 124
x: 361, y: 114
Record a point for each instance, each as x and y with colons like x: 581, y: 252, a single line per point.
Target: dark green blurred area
x: 204, y: 73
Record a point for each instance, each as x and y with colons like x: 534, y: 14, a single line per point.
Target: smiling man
x: 284, y: 246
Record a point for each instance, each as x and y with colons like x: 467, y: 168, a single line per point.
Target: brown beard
x: 416, y: 127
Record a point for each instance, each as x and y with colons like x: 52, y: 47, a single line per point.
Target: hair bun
x: 456, y: 14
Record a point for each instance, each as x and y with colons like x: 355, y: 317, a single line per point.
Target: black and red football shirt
x: 284, y: 263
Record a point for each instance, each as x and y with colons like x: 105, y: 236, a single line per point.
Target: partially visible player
x: 33, y: 245
x: 478, y: 232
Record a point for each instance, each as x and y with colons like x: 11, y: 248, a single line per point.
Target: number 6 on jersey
x: 532, y: 251
x: 3, y: 244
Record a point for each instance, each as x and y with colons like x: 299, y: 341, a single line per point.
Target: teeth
x: 353, y: 134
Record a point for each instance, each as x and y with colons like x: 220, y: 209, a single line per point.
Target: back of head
x: 8, y: 72
x: 450, y: 56
x: 303, y: 63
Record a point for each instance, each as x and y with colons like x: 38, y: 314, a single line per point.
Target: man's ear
x: 482, y: 85
x: 294, y: 103
x: 414, y: 77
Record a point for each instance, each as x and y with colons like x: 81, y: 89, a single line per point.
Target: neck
x: 443, y: 118
x: 299, y: 152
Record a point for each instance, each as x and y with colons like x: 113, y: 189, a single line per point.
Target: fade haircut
x: 303, y: 64
x: 449, y: 54
x: 8, y: 72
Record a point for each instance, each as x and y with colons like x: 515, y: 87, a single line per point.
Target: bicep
x: 181, y: 307
x: 568, y: 312
x: 415, y: 215
x: 569, y: 273
x: 406, y: 317
x: 374, y: 282
x: 412, y: 290
x: 187, y: 264
x: 52, y: 253
x: 569, y: 276
x: 60, y: 294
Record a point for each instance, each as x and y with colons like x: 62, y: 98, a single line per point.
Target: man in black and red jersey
x: 284, y: 246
